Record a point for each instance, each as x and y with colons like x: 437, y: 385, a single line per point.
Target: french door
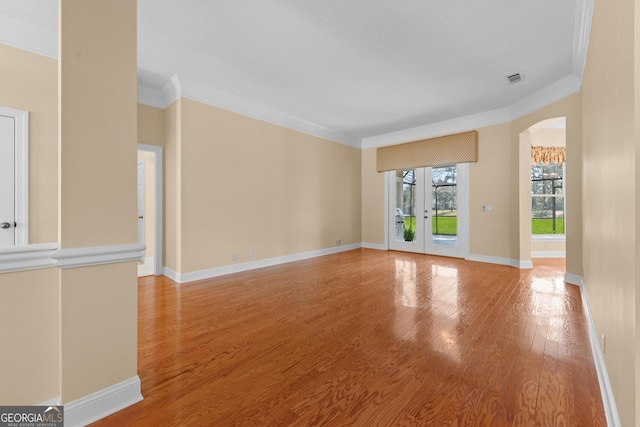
x: 428, y: 210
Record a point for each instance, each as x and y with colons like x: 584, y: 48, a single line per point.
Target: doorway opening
x: 150, y: 209
x: 543, y: 182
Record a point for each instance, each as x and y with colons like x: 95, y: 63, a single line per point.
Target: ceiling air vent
x: 514, y: 78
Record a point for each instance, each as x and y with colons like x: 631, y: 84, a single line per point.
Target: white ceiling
x: 361, y: 72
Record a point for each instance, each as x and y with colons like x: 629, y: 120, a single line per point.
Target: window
x: 547, y: 199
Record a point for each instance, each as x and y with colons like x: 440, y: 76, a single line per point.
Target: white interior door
x: 7, y: 182
x: 141, y: 202
x: 428, y: 210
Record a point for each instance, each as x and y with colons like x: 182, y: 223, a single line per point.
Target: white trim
x: 560, y: 89
x: 97, y: 255
x: 387, y: 179
x: 445, y: 127
x: 22, y: 177
x: 171, y: 91
x: 55, y: 401
x: 150, y: 96
x: 500, y: 260
x: 608, y: 400
x: 376, y: 246
x: 29, y: 257
x: 556, y: 91
x: 269, y: 262
x: 21, y: 210
x: 229, y: 102
x: 102, y: 403
x: 548, y: 254
x: 179, y: 87
x: 29, y: 37
x: 158, y: 206
x: 582, y: 28
x: 549, y: 238
x: 573, y: 279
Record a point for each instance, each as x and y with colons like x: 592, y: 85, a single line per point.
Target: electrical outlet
x: 338, y: 241
x: 250, y: 253
x: 234, y: 257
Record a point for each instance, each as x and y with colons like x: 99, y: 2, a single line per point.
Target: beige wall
x: 372, y: 199
x: 97, y: 192
x: 30, y: 337
x: 610, y: 198
x: 489, y: 185
x: 29, y: 301
x: 520, y: 189
x: 248, y: 185
x: 500, y: 178
x: 150, y: 125
x: 29, y: 82
x: 172, y: 245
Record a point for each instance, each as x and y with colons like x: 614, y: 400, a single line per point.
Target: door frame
x: 158, y: 266
x: 463, y: 217
x: 21, y: 172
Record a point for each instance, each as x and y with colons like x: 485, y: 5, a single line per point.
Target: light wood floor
x: 366, y: 338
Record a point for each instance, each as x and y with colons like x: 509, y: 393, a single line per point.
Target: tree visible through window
x: 547, y: 199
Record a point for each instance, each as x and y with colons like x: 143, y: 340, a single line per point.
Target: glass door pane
x: 406, y: 195
x: 444, y: 206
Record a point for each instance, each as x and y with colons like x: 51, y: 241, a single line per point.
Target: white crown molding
x: 28, y: 37
x: 100, y: 404
x: 28, y: 257
x: 432, y: 130
x: 582, y: 29
x: 556, y: 91
x: 150, y: 96
x: 560, y: 89
x: 171, y: 90
x: 608, y: 400
x: 211, y: 96
x: 97, y: 255
x: 246, y: 266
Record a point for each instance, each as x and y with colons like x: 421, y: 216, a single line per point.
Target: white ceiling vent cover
x: 515, y: 78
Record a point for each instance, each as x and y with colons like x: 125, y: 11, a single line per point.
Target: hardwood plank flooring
x: 366, y: 338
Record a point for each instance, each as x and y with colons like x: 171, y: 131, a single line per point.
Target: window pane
x: 548, y: 215
x: 405, y: 224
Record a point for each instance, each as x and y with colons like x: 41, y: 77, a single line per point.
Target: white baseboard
x: 100, y: 404
x: 500, y: 260
x: 245, y: 266
x: 377, y: 246
x: 608, y: 401
x: 573, y: 279
x: 51, y: 402
x: 548, y: 254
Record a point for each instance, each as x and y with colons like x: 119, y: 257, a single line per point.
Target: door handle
x: 140, y: 217
x: 5, y: 225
